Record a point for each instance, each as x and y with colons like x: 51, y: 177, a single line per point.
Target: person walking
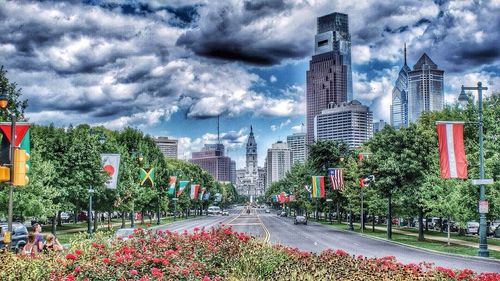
x: 51, y: 244
x: 30, y: 248
x: 37, y: 231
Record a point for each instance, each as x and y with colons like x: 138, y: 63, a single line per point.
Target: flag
x: 361, y: 182
x: 200, y: 197
x: 147, y: 175
x: 282, y: 197
x: 308, y: 188
x: 111, y: 164
x: 206, y: 196
x: 291, y: 198
x: 336, y: 178
x: 318, y: 186
x: 182, y: 186
x: 171, y: 185
x: 452, y: 161
x: 194, y: 191
x: 22, y: 140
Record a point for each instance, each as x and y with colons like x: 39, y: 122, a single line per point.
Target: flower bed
x: 217, y: 254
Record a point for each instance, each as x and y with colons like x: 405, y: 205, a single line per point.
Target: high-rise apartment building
x: 169, y: 147
x: 212, y: 159
x: 399, y: 107
x: 297, y: 143
x: 425, y: 88
x: 278, y: 162
x: 329, y: 78
x: 350, y: 122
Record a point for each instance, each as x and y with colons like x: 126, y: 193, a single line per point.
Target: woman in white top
x: 30, y: 248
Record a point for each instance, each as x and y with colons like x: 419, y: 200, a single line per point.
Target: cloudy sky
x: 170, y: 67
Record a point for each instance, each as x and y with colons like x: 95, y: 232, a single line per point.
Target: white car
x: 472, y: 227
x: 214, y: 210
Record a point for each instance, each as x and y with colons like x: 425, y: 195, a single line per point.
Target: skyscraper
x: 349, y: 122
x: 425, y: 88
x: 278, y: 162
x: 399, y: 107
x: 167, y: 146
x: 329, y: 76
x: 212, y: 159
x: 250, y: 181
x: 297, y: 143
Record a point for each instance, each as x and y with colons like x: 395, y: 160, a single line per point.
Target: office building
x: 212, y: 159
x: 349, y: 122
x: 297, y: 143
x: 278, y: 162
x: 425, y: 88
x: 379, y: 125
x: 169, y: 147
x: 329, y: 78
x: 399, y: 107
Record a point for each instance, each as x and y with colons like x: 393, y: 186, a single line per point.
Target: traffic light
x: 20, y: 167
x: 4, y: 174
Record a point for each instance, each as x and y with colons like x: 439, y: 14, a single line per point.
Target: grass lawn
x: 427, y: 244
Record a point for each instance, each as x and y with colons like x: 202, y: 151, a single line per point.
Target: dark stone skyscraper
x: 329, y: 76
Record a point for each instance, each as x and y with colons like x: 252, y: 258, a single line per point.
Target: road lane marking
x: 266, y: 231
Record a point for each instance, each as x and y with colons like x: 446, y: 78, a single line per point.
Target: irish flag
x: 182, y: 186
x: 318, y: 187
x: 194, y: 191
x: 452, y: 161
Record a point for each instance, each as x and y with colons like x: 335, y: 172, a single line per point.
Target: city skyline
x: 165, y: 68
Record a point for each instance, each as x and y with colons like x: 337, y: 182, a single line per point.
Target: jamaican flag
x: 147, y: 176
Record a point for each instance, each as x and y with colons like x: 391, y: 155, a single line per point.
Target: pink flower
x: 206, y: 278
x: 133, y: 272
x: 78, y: 269
x: 69, y: 277
x: 70, y: 256
x: 78, y: 251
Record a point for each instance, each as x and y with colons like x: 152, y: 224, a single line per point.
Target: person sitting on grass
x: 30, y: 248
x: 52, y: 244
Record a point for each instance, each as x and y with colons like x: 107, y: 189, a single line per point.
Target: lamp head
x: 102, y: 138
x: 4, y: 100
x: 463, y: 99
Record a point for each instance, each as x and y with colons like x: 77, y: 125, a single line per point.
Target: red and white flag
x: 453, y: 163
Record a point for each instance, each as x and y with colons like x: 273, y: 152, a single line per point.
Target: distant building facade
x: 379, y: 125
x: 425, y: 88
x: 212, y: 159
x: 297, y: 144
x: 250, y: 181
x: 329, y: 78
x: 167, y: 146
x: 350, y: 122
x: 278, y: 162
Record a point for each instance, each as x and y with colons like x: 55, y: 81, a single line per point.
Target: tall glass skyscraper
x: 399, y: 107
x: 329, y: 78
x: 425, y: 88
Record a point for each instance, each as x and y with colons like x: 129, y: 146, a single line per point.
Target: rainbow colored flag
x: 318, y: 186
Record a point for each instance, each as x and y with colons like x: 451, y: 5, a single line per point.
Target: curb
x: 419, y: 248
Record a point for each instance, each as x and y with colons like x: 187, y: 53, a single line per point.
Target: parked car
x: 268, y: 211
x: 472, y: 227
x: 214, y: 210
x: 283, y: 214
x: 453, y: 226
x: 493, y: 226
x: 300, y: 220
x: 19, y: 235
x: 278, y: 213
x: 434, y: 223
x: 225, y: 213
x: 65, y: 216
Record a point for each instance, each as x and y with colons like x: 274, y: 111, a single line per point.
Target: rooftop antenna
x: 302, y: 127
x: 218, y: 132
x: 405, y: 53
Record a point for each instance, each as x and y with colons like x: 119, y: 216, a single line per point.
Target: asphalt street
x: 315, y: 237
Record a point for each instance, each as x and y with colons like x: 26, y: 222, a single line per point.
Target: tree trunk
x: 373, y: 224
x: 421, y: 224
x: 150, y: 218
x: 109, y: 220
x: 142, y: 217
x: 389, y: 218
x: 426, y: 223
x: 441, y: 226
x: 96, y: 219
x: 75, y: 221
x: 338, y: 213
x: 123, y: 219
x: 449, y: 220
x: 53, y: 228
x: 59, y: 220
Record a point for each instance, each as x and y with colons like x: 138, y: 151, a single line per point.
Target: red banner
x: 452, y: 161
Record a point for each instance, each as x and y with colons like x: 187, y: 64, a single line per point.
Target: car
x: 493, y: 226
x: 268, y: 211
x: 283, y: 214
x: 19, y: 235
x: 214, y: 210
x: 225, y: 213
x: 123, y: 233
x: 434, y: 223
x: 65, y: 216
x: 300, y: 220
x: 472, y: 227
x: 278, y: 213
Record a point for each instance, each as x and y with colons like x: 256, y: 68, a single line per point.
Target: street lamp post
x: 463, y: 99
x: 101, y: 140
x: 4, y: 101
x: 139, y: 158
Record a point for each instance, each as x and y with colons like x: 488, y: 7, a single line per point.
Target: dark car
x: 19, y: 235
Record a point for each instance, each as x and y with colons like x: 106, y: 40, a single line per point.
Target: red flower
x: 133, y: 272
x: 95, y: 245
x: 185, y: 271
x: 206, y: 278
x: 77, y: 269
x: 70, y: 256
x: 78, y: 251
x: 69, y: 277
x: 136, y: 263
x: 105, y: 260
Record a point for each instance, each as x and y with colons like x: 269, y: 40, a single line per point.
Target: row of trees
x: 66, y: 162
x: 405, y: 163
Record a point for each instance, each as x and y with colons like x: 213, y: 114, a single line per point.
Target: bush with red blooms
x: 216, y: 254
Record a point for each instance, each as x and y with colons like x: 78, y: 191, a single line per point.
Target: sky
x: 169, y: 68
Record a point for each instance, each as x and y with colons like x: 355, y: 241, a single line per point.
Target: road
x: 315, y: 237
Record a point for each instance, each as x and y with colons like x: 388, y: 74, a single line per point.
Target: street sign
x: 483, y: 207
x: 483, y: 181
x: 175, y: 199
x: 329, y: 200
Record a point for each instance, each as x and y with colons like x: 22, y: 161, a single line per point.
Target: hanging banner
x: 111, y: 164
x: 194, y: 191
x: 182, y: 186
x: 22, y: 140
x: 147, y: 176
x: 202, y: 193
x: 171, y: 185
x: 318, y: 186
x: 452, y: 161
x: 336, y: 178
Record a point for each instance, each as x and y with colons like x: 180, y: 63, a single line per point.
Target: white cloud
x: 273, y: 79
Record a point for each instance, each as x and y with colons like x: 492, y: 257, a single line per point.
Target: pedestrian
x: 37, y: 231
x: 51, y: 244
x: 30, y: 248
